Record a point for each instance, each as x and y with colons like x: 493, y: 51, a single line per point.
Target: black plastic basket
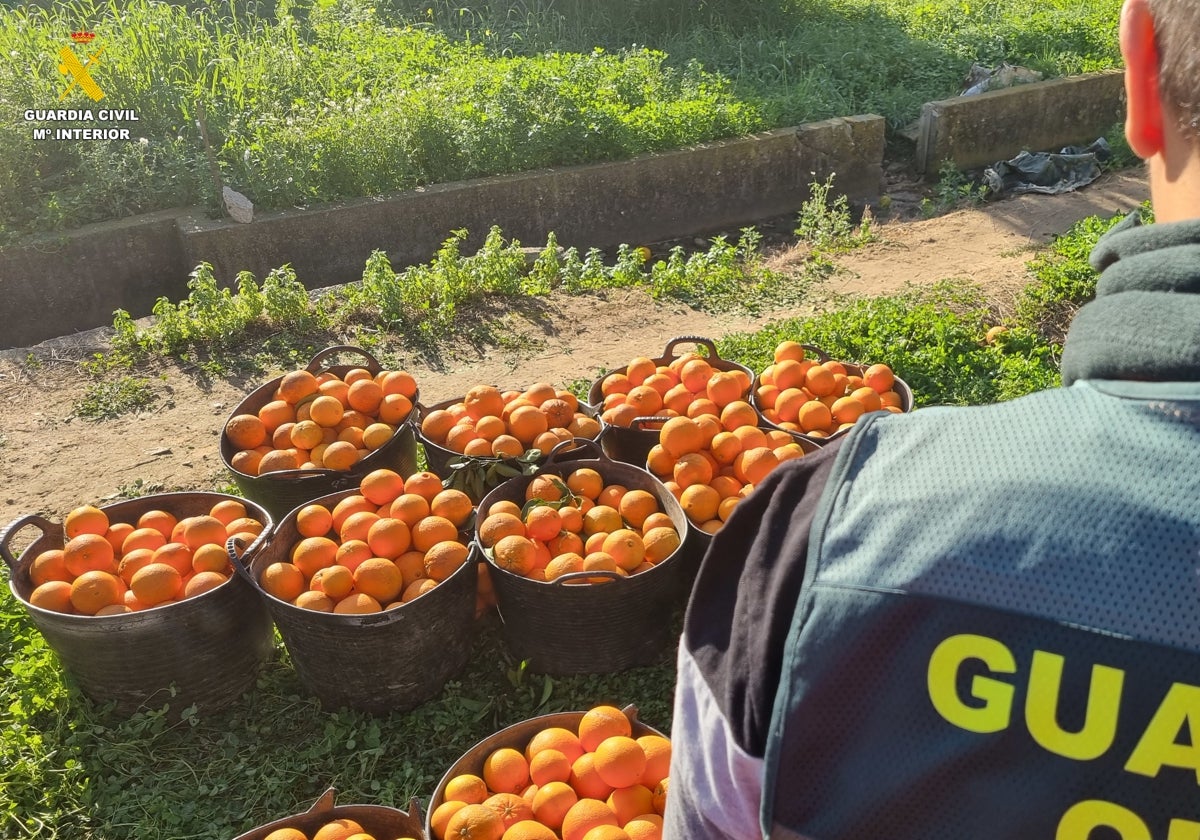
x: 378, y: 662
x: 281, y: 491
x: 206, y: 650
x: 377, y: 820
x: 628, y: 619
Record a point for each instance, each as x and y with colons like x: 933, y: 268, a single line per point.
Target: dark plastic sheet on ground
x: 1047, y: 172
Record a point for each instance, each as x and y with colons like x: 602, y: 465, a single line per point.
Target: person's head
x: 1160, y: 41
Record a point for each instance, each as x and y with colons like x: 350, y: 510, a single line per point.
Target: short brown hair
x: 1177, y: 29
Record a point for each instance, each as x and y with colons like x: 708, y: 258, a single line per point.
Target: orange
x: 475, y: 822
x: 379, y: 578
x: 615, y: 383
x: 507, y: 446
x: 552, y: 802
x: 692, y: 468
x: 132, y: 561
x: 555, y: 738
x: 723, y: 388
x: 315, y: 601
x: 497, y: 526
x: 286, y: 834
x: 399, y: 382
x: 563, y: 564
x: 228, y: 511
x: 606, y: 832
x: 357, y: 526
x: 313, y: 553
x: 93, y: 591
x: 490, y: 427
x: 753, y: 465
x: 467, y: 788
x: 626, y: 547
x: 335, y: 581
x: 116, y: 534
x: 680, y: 436
x: 381, y: 487
x: 340, y: 455
x: 326, y: 411
x: 660, y: 543
x: 314, y: 521
x: 543, y: 523
x: 441, y: 815
x: 283, y: 581
x: 453, y: 505
x: 357, y: 603
x: 814, y: 415
x: 658, y: 759
x: 601, y: 722
x: 49, y: 565
x: 424, y: 484
x: 694, y: 375
x: 275, y: 414
x: 246, y: 461
x: 656, y: 520
x: 789, y: 350
x: 506, y: 771
x: 638, y: 369
x: 246, y: 431
x: 529, y: 830
x: 602, y: 519
x: 176, y: 555
x: 738, y: 413
x: 376, y: 435
x: 436, y: 425
x: 526, y: 423
x: 483, y: 400
x: 660, y: 796
x: 611, y: 495
x: 417, y: 588
x: 702, y: 405
x: 644, y: 827
x: 53, y: 595
x: 869, y: 399
x: 347, y: 506
x: 86, y: 519
x: 411, y: 565
x: 444, y: 559
x: 202, y: 582
x: 620, y: 761
x: 819, y: 381
x: 297, y: 385
x: 155, y: 583
x: 549, y: 766
x: 510, y: 808
x: 585, y: 815
x: 352, y: 553
x: 432, y: 530
x: 388, y: 537
x: 546, y: 487
x: 567, y: 542
x: 409, y: 508
x: 558, y: 412
x: 365, y: 395
x: 338, y: 829
x: 846, y: 410
x: 632, y: 801
x: 586, y: 781
x: 879, y: 378
x: 394, y: 409
x: 87, y: 553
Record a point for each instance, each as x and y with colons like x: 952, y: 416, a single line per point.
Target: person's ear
x: 1144, y: 109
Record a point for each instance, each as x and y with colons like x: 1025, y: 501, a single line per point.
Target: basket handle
x: 630, y: 711
x: 571, y: 445
x: 706, y: 343
x: 821, y: 355
x: 236, y: 551
x: 40, y: 522
x: 325, y: 804
x: 638, y: 422
x: 341, y: 480
x: 570, y: 576
x: 314, y: 364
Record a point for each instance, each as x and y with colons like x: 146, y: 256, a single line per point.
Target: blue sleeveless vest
x: 999, y: 632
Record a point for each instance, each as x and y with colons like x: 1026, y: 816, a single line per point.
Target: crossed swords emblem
x: 71, y: 66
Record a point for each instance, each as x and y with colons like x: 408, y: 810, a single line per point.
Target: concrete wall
x: 974, y: 131
x: 74, y: 282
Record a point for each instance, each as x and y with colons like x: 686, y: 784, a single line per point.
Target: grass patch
x: 109, y: 399
x: 312, y: 101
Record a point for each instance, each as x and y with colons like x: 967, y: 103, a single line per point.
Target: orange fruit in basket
x: 814, y: 416
x: 313, y: 553
x: 335, y: 581
x: 515, y: 554
x: 554, y: 738
x: 506, y: 771
x: 357, y: 525
x: 529, y: 830
x: 245, y: 431
x: 49, y: 565
x: 660, y: 796
x: 467, y: 788
x: 606, y: 832
x: 424, y: 484
x: 630, y: 802
x: 286, y: 834
x: 133, y: 560
x: 489, y: 427
x: 399, y: 382
x: 92, y: 591
x: 441, y: 815
x: 357, y: 603
x: 475, y: 822
x: 155, y: 583
x: 316, y: 601
x: 228, y: 511
x: 638, y: 369
x: 416, y: 589
x: 497, y: 526
x: 437, y: 424
x: 87, y: 553
x: 296, y: 385
x: 546, y: 487
x: 482, y: 400
x: 879, y: 378
x: 644, y: 827
x: 339, y: 829
x: 376, y: 435
x: 347, y: 507
x: 625, y: 546
x: 339, y: 455
x: 379, y: 578
x: 176, y: 555
x: 352, y: 553
x: 314, y: 521
x: 326, y: 411
x: 409, y: 508
x: 444, y: 559
x: 85, y: 519
x: 454, y: 505
x: 116, y: 534
x: 789, y: 350
x: 563, y: 564
x: 388, y: 537
x: 53, y: 595
x: 510, y: 808
x: 586, y: 781
x: 365, y: 395
x: 658, y: 759
x: 753, y: 465
x: 585, y: 815
x: 660, y: 543
x: 552, y: 802
x: 692, y: 468
x: 202, y: 582
x: 283, y: 581
x: 432, y: 530
x: 549, y: 766
x: 279, y: 459
x: 620, y: 761
x: 601, y: 722
x: 526, y: 423
x: 680, y: 436
x: 543, y: 523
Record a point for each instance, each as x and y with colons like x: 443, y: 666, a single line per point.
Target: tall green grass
x: 316, y: 100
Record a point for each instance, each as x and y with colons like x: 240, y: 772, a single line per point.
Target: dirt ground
x: 51, y: 462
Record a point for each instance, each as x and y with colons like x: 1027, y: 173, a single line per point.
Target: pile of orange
x: 819, y: 399
x: 384, y: 546
x: 490, y: 423
x: 339, y: 829
x: 107, y: 568
x: 597, y: 782
x: 687, y: 387
x: 580, y: 525
x: 321, y: 421
x: 710, y: 463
